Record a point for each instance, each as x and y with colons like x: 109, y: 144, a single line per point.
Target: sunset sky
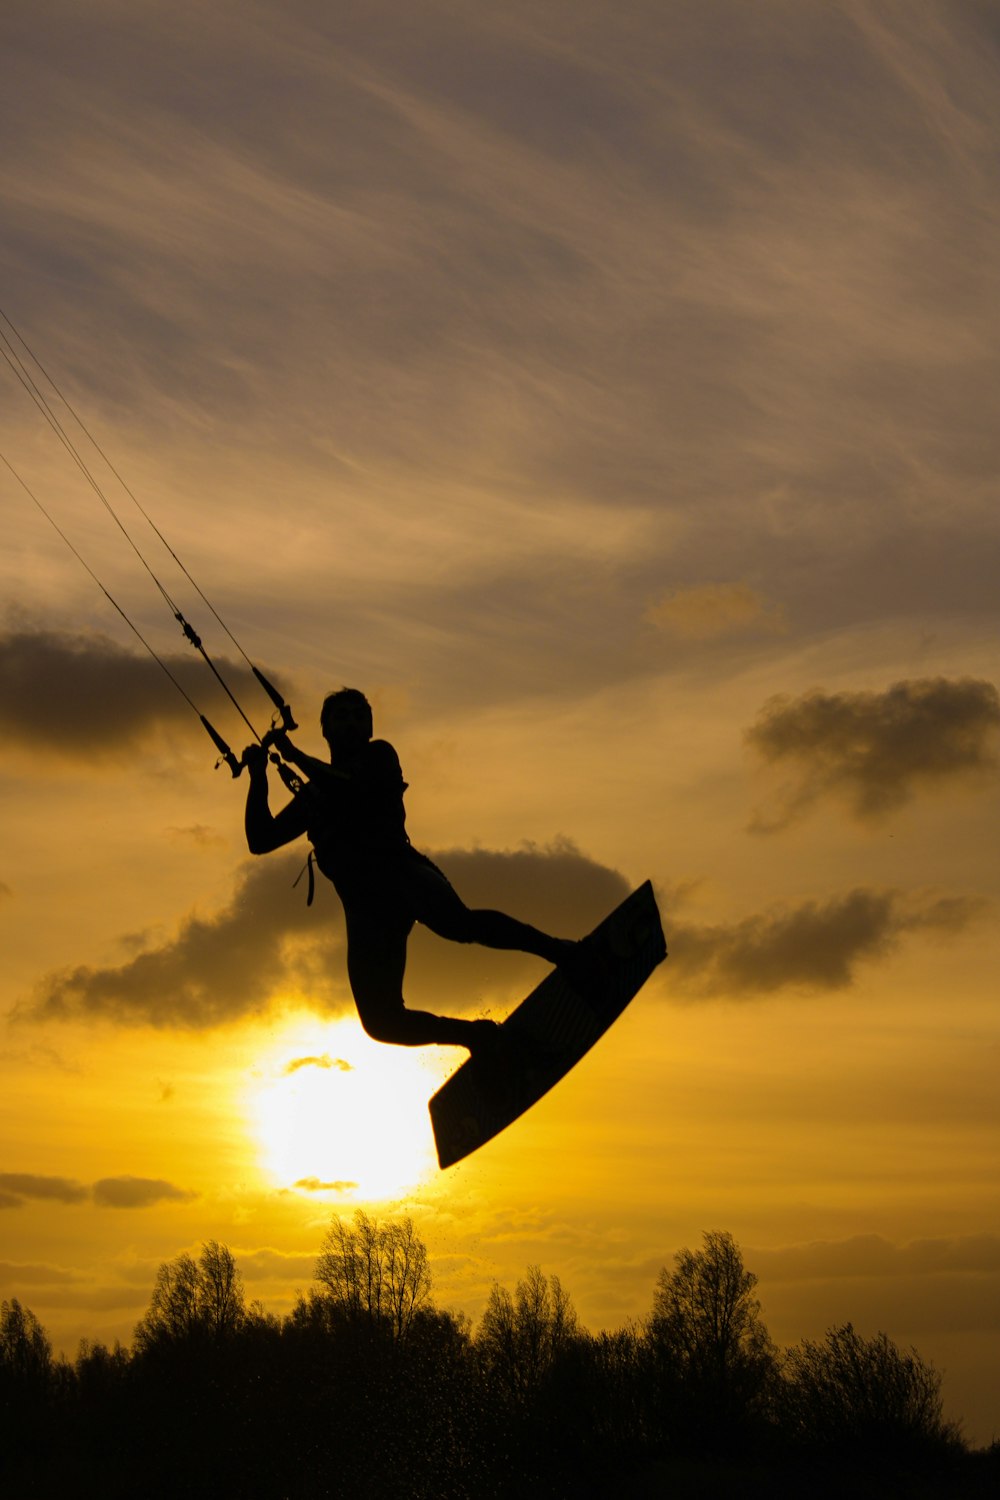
x: 610, y: 391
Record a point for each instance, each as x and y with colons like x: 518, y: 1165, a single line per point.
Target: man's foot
x: 484, y: 1040
x: 581, y: 966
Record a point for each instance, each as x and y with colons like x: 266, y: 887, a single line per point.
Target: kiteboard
x: 551, y: 1030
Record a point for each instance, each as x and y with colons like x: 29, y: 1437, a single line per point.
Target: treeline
x: 368, y: 1389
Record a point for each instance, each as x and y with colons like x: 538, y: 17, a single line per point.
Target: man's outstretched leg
x: 438, y: 906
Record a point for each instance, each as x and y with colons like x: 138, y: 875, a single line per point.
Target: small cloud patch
x: 138, y: 1192
x: 316, y: 1185
x: 326, y: 1061
x: 18, y: 1186
x: 713, y: 610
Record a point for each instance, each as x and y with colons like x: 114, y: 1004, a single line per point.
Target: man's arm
x: 266, y: 830
x: 311, y: 767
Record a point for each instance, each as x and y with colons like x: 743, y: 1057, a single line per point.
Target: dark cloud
x: 815, y: 946
x: 877, y: 750
x: 84, y: 695
x: 267, y: 942
x: 16, y: 1186
x: 218, y: 968
x: 138, y: 1192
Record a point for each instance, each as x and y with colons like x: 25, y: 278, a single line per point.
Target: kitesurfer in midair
x: 352, y: 810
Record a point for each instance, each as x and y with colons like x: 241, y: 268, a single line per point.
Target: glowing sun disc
x: 336, y: 1113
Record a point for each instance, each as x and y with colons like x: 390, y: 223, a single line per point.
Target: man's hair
x: 351, y: 696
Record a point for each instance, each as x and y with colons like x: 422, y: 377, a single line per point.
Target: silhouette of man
x: 352, y: 810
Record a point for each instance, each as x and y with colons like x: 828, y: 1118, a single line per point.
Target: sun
x: 335, y: 1113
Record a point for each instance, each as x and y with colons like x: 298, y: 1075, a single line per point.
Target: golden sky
x: 610, y: 392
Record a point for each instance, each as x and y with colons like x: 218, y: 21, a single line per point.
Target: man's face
x: 345, y: 723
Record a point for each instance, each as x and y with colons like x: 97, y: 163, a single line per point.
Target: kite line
x: 23, y: 363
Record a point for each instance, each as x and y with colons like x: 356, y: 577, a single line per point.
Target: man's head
x: 346, y: 713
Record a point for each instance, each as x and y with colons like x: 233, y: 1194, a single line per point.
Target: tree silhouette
x: 221, y: 1297
x: 27, y: 1380
x: 25, y: 1350
x: 172, y: 1314
x: 715, y: 1361
x: 368, y: 1389
x: 376, y: 1272
x: 850, y: 1394
x: 598, y: 1403
x: 194, y: 1299
x: 521, y: 1336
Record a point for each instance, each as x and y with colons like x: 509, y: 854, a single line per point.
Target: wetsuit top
x: 356, y: 822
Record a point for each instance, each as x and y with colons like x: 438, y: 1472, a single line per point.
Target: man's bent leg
x: 376, y: 961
